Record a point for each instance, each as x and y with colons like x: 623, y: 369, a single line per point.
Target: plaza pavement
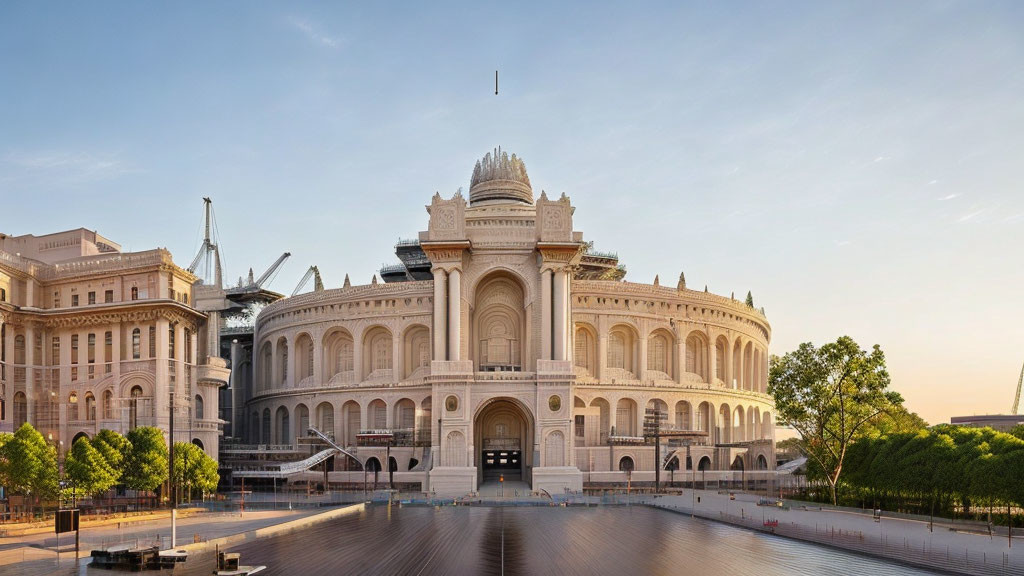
x: 36, y: 554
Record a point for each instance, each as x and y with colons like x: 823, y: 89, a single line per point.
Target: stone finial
x: 681, y: 285
x: 458, y: 194
x: 657, y: 282
x: 543, y: 195
x: 732, y: 295
x: 437, y: 197
x: 347, y: 284
x: 705, y: 288
x: 500, y: 177
x: 374, y: 280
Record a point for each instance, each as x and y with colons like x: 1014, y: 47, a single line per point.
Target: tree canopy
x: 88, y: 469
x: 828, y: 395
x: 29, y: 463
x: 193, y: 468
x: 145, y: 468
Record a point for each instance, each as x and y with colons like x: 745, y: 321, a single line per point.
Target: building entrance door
x: 504, y: 436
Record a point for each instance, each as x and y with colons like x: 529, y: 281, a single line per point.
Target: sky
x: 856, y: 166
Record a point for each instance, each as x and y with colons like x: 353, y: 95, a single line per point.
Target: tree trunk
x: 832, y: 488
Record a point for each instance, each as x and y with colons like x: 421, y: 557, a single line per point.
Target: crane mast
x: 1016, y: 399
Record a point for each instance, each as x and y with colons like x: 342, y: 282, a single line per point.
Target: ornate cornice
x: 169, y: 310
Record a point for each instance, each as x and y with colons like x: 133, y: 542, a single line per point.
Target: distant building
x: 94, y: 338
x: 1001, y: 422
x: 503, y: 346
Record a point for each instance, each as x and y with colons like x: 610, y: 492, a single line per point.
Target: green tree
x: 827, y: 395
x: 1018, y: 431
x: 115, y: 449
x: 90, y: 472
x: 145, y: 467
x: 750, y: 299
x: 193, y: 469
x: 30, y: 463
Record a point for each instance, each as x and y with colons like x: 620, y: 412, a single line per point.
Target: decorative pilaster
x: 440, y: 320
x: 455, y: 315
x: 545, y: 318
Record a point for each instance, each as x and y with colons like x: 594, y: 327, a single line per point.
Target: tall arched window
x: 377, y: 353
x: 616, y: 351
x: 20, y: 409
x: 136, y: 344
x: 659, y: 354
x: 199, y: 407
x: 133, y: 407
x: 108, y: 405
x: 90, y: 407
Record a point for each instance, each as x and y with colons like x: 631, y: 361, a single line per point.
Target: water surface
x: 541, y: 540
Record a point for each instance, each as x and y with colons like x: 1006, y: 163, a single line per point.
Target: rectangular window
x: 188, y: 347
x: 135, y: 293
x: 170, y: 342
x: 74, y: 348
x: 91, y: 352
x: 74, y: 299
x: 56, y: 298
x: 108, y: 351
x: 108, y: 296
x: 579, y: 426
x: 55, y: 351
x: 136, y: 344
x: 152, y: 341
x: 92, y: 297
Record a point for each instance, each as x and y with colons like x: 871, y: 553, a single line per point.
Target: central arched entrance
x: 503, y: 437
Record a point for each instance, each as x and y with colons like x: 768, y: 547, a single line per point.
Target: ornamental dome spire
x: 500, y: 178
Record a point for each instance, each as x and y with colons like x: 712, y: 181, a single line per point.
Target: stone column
x: 641, y: 367
x: 455, y: 315
x: 713, y: 360
x: 115, y: 351
x: 558, y: 316
x: 545, y: 317
x: 397, y: 357
x: 161, y: 388
x: 236, y: 409
x: 439, y: 330
x: 602, y: 357
x: 681, y: 353
x: 569, y: 326
x: 30, y: 376
x: 728, y: 361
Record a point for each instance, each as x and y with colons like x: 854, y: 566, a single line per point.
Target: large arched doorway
x: 503, y: 437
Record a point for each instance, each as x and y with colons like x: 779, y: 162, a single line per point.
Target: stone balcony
x: 215, y: 371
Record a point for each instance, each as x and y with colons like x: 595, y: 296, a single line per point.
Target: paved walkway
x: 503, y: 489
x: 907, y: 539
x: 37, y: 553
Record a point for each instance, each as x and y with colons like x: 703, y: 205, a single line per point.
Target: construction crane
x: 272, y: 271
x: 314, y: 273
x: 1016, y: 399
x: 208, y: 253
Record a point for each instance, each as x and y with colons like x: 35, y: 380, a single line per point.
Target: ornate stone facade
x: 508, y: 362
x: 93, y: 338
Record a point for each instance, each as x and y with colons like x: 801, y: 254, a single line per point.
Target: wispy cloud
x: 66, y: 166
x: 949, y: 196
x: 971, y: 215
x: 314, y: 34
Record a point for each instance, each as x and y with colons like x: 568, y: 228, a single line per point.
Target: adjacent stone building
x: 92, y: 338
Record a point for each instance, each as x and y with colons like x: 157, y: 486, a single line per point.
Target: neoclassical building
x: 92, y: 338
x: 503, y: 345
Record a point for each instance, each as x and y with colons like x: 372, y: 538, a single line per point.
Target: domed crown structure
x: 500, y: 178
